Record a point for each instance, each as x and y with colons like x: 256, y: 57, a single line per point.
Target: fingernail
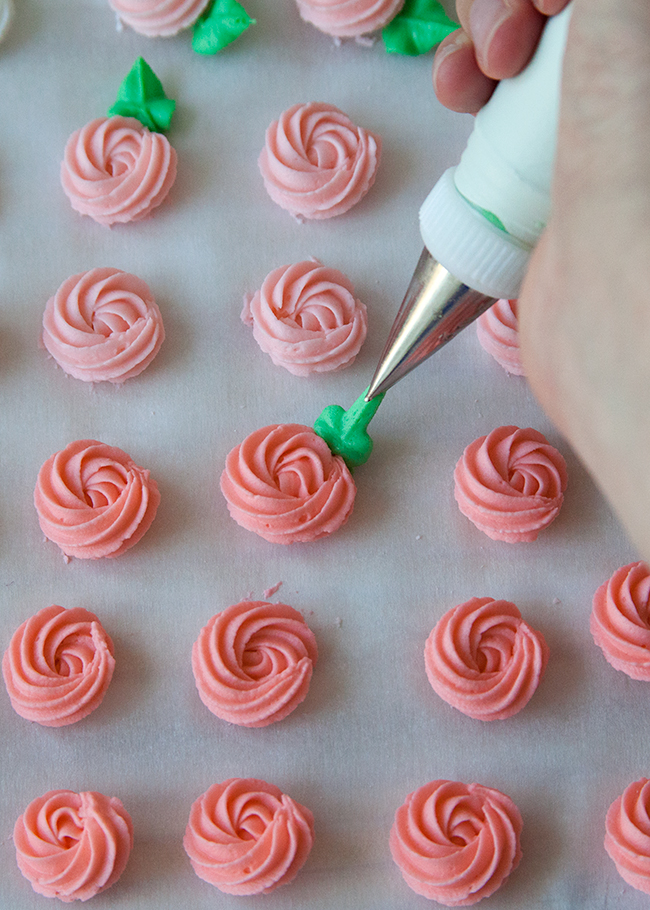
x: 450, y: 46
x: 485, y: 17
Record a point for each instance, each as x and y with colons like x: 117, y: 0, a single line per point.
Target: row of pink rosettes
x: 253, y: 661
x: 316, y: 163
x: 454, y: 843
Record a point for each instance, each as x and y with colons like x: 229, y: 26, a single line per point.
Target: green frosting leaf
x: 417, y: 28
x: 142, y: 96
x: 345, y: 432
x: 221, y: 24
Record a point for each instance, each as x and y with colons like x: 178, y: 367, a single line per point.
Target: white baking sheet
x: 371, y: 729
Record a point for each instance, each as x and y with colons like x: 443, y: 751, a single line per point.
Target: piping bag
x: 479, y: 224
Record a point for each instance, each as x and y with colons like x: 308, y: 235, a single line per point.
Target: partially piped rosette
x: 158, y: 18
x: 620, y: 620
x: 484, y: 660
x: 73, y: 845
x: 217, y: 23
x: 456, y: 843
x: 93, y: 500
x: 58, y: 666
x: 348, y: 18
x: 498, y: 332
x: 627, y: 837
x: 246, y: 836
x: 103, y: 325
x: 510, y: 483
x: 307, y: 318
x: 253, y: 662
x: 316, y: 163
x: 119, y: 168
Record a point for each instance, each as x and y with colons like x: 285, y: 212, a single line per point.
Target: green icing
x: 142, y: 96
x: 221, y: 24
x: 417, y: 28
x: 346, y: 432
x: 489, y: 216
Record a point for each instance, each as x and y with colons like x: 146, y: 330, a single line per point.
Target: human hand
x: 584, y: 309
x: 496, y: 41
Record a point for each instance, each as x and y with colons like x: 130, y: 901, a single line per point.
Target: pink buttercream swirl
x: 284, y: 483
x: 498, y: 332
x: 253, y: 662
x: 158, y: 18
x: 73, y: 845
x: 103, y: 324
x: 93, y: 500
x: 348, y: 18
x: 115, y: 170
x: 247, y: 837
x: 627, y: 838
x: 58, y: 666
x: 307, y: 319
x: 456, y: 843
x: 620, y: 620
x: 510, y: 483
x: 316, y: 163
x: 483, y: 659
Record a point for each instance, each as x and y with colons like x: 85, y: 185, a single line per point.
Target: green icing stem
x: 417, y: 28
x: 345, y: 432
x: 142, y: 96
x: 222, y: 23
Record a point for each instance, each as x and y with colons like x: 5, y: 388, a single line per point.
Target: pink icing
x: 316, y: 163
x: 115, y: 170
x: 58, y: 666
x: 498, y: 332
x: 627, y: 838
x: 456, y: 843
x: 93, y: 500
x: 73, y: 845
x: 483, y: 659
x: 511, y: 483
x: 348, y: 18
x: 307, y: 319
x: 620, y: 620
x: 158, y: 18
x: 284, y: 483
x: 103, y: 325
x: 247, y: 837
x: 253, y: 662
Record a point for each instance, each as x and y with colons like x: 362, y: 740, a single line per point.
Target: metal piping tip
x: 436, y: 307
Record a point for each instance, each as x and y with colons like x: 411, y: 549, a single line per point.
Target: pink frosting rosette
x: 284, y: 483
x: 58, y: 666
x: 510, y: 483
x: 103, y: 325
x: 116, y: 170
x: 620, y: 620
x: 93, y: 500
x: 456, y: 843
x: 348, y: 18
x: 247, y: 837
x: 253, y: 662
x: 316, y: 163
x: 483, y: 659
x: 158, y: 18
x: 73, y: 845
x: 498, y: 332
x: 307, y: 319
x: 627, y: 837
